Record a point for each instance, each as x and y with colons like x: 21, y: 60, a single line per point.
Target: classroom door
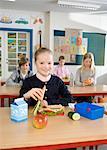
x: 15, y: 44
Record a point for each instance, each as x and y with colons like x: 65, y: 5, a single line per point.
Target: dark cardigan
x: 56, y: 93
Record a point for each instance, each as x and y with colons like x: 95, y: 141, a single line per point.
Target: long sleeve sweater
x: 16, y: 77
x: 56, y: 92
x: 83, y: 75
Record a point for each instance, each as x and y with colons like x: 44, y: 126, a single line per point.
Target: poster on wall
x: 62, y: 47
x: 69, y: 45
x: 75, y: 40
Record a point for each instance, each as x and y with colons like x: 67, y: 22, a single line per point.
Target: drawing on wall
x: 22, y: 35
x: 39, y: 23
x: 69, y: 45
x: 21, y: 21
x: 38, y: 20
x: 11, y: 35
x: 11, y: 55
x: 12, y: 45
x: 22, y: 45
x: 6, y: 19
x: 62, y: 47
x: 84, y: 45
x: 12, y: 64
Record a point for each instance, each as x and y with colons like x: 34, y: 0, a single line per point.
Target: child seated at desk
x: 33, y: 88
x: 61, y: 70
x: 20, y: 74
x: 85, y: 75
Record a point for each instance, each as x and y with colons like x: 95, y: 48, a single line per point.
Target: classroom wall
x: 59, y: 21
x: 29, y: 16
x: 88, y: 23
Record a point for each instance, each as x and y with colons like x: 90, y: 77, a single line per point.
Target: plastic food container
x: 90, y: 111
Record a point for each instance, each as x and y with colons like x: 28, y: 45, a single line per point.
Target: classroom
x: 28, y: 25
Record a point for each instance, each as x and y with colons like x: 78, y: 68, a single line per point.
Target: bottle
x: 71, y: 80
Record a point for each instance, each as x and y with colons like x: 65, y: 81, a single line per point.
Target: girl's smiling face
x: 87, y: 63
x: 44, y: 63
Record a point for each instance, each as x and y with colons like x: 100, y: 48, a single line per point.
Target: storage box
x: 90, y: 111
x: 19, y: 110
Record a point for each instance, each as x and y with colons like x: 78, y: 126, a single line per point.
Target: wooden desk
x: 8, y: 92
x: 66, y: 82
x: 100, y: 90
x: 13, y: 91
x: 60, y: 132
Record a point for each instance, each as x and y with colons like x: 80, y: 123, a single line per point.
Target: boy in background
x: 21, y: 73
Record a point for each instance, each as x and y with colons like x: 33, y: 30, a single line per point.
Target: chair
x: 102, y: 79
x: 4, y: 97
x: 91, y: 148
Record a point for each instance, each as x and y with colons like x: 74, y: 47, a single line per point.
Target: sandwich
x: 52, y: 110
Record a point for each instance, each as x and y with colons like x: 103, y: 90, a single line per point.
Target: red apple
x: 40, y: 121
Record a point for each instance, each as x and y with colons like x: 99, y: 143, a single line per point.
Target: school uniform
x: 17, y: 77
x: 82, y: 75
x: 56, y: 91
x: 62, y: 71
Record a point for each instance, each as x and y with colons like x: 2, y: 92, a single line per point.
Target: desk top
x: 89, y: 90
x: 59, y: 130
x: 78, y: 91
x: 9, y: 90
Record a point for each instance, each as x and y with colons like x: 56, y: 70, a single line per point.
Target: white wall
x: 29, y: 16
x: 88, y: 23
x: 59, y: 21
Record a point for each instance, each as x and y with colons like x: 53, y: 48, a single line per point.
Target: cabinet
x: 14, y: 43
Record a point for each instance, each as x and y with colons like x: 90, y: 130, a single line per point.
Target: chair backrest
x: 102, y: 79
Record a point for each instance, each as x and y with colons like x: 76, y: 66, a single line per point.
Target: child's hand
x: 44, y: 103
x: 35, y: 93
x: 88, y: 81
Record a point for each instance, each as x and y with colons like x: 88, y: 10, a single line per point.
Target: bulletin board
x: 96, y: 45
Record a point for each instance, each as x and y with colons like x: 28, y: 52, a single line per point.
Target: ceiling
x: 52, y: 5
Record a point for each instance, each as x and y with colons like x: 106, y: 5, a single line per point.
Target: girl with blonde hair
x: 85, y: 75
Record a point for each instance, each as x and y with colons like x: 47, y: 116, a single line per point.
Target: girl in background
x: 85, y: 75
x: 61, y: 70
